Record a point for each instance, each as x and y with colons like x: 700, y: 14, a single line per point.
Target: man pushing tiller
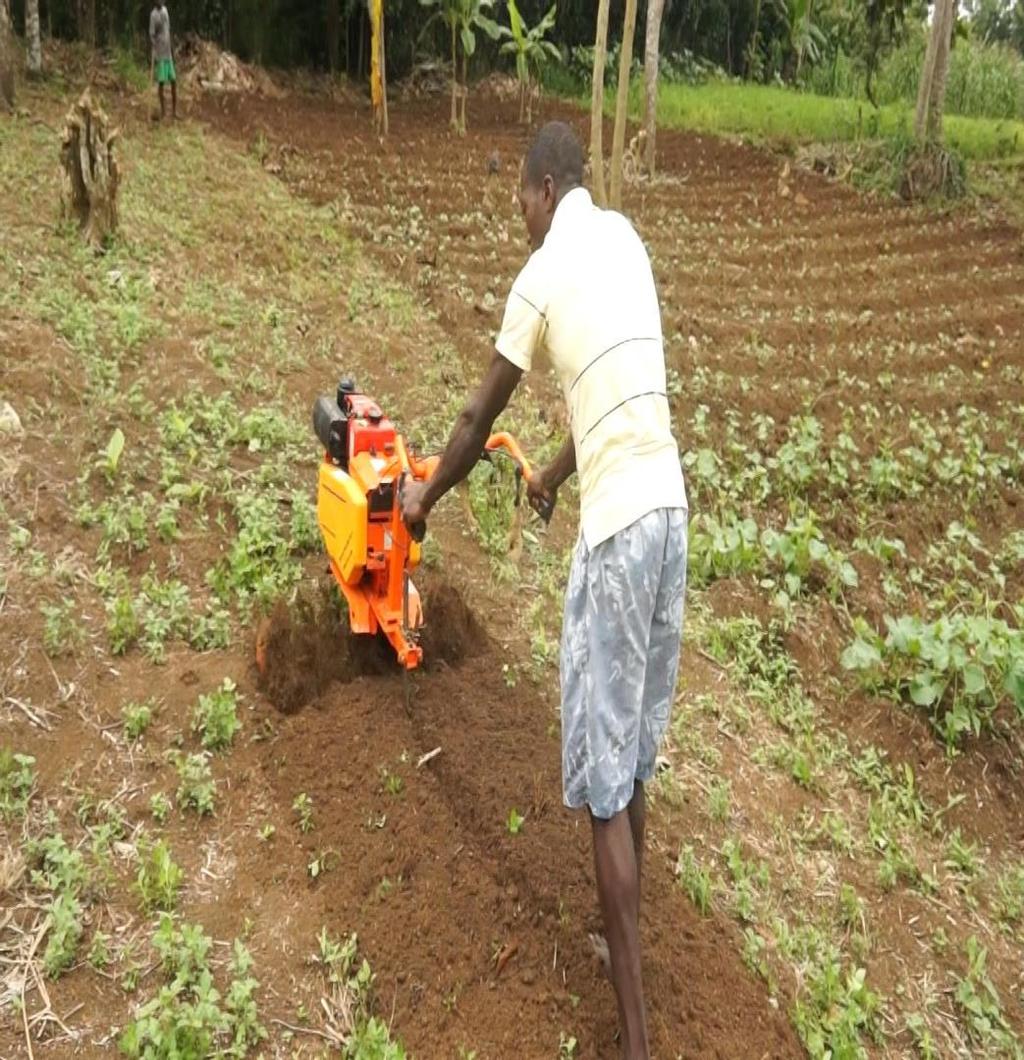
x: 586, y: 298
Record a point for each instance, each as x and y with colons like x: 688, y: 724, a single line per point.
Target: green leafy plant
x: 99, y: 951
x: 260, y: 565
x: 391, y: 782
x: 165, y: 612
x: 977, y: 997
x: 804, y: 556
x: 835, y: 1009
x: 188, y: 1017
x: 722, y: 549
x: 159, y: 879
x: 303, y: 807
x: 60, y: 868
x: 748, y: 880
x: 959, y: 668
x: 61, y: 632
x: 695, y: 879
x: 462, y: 19
x: 17, y: 776
x: 961, y: 855
x: 719, y: 799
x: 215, y: 717
x: 110, y: 458
x: 136, y: 718
x: 532, y: 52
x: 124, y: 520
x: 515, y: 822
x: 196, y: 786
x: 351, y: 982
x: 65, y: 933
x: 160, y: 807
x: 122, y: 623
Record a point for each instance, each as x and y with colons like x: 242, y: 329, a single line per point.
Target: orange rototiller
x: 371, y: 550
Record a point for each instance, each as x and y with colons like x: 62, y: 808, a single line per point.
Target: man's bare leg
x: 174, y: 99
x: 618, y: 890
x: 637, y: 828
x: 163, y: 107
x: 637, y: 825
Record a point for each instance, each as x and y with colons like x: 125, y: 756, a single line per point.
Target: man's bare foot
x: 599, y: 944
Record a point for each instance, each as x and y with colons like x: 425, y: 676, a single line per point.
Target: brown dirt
x: 302, y: 648
x: 866, y: 276
x: 430, y: 878
x: 452, y: 632
x: 436, y: 885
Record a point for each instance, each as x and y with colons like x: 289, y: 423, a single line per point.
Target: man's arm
x: 563, y: 465
x: 542, y: 488
x: 467, y: 440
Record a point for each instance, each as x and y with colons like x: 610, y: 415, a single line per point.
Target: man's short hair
x: 555, y: 153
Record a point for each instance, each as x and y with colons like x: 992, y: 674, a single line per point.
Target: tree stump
x: 90, y: 176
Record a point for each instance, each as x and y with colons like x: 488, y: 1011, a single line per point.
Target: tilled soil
x: 478, y: 937
x: 437, y: 887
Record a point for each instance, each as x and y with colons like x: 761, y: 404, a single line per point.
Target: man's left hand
x: 415, y: 507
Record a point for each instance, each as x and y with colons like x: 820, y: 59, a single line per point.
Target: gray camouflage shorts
x: 620, y: 656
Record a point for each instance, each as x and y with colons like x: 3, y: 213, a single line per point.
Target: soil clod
x: 451, y: 632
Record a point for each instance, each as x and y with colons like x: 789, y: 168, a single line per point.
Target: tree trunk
x: 333, y: 17
x: 454, y: 122
x: 651, y: 39
x: 622, y: 106
x: 35, y: 50
x: 597, y: 106
x: 463, y: 93
x: 803, y: 40
x: 6, y: 56
x: 378, y: 82
x: 90, y: 175
x: 934, y: 75
x: 86, y: 10
x: 362, y: 45
x: 754, y: 40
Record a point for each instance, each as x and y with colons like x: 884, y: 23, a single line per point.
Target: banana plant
x: 531, y: 50
x: 463, y: 18
x: 805, y: 39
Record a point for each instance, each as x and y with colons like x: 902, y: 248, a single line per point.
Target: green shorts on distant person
x: 165, y: 71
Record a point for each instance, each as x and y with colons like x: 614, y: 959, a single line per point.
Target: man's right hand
x: 541, y: 496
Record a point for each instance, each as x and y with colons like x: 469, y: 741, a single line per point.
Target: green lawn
x: 769, y: 113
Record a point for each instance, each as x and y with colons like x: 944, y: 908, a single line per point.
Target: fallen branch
x: 24, y: 979
x: 28, y: 712
x: 424, y: 759
x: 305, y: 1030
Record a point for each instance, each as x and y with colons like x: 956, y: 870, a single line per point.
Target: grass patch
x: 767, y: 113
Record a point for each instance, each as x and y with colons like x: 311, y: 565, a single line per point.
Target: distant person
x: 162, y: 63
x: 586, y: 299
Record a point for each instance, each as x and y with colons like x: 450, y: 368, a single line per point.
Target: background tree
x: 883, y: 20
x: 6, y: 56
x: 931, y: 96
x: 531, y: 50
x: 597, y: 106
x: 622, y: 106
x: 332, y: 19
x: 655, y: 10
x: 463, y: 18
x: 378, y: 69
x: 86, y: 14
x: 33, y: 45
x: 803, y: 36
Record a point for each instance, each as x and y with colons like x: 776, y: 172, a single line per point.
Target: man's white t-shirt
x: 587, y: 299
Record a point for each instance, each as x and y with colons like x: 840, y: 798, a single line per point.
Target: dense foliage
x: 861, y: 48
